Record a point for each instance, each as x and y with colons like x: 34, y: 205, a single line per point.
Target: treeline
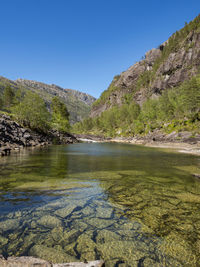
x: 176, y: 109
x: 31, y: 111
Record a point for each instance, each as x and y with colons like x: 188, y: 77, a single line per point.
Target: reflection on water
x: 128, y: 205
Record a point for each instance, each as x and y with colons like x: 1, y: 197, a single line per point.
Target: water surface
x: 129, y: 205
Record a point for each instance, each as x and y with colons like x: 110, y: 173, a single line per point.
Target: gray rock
x: 104, y: 212
x: 66, y: 211
x: 9, y: 224
x: 51, y: 254
x: 49, y: 221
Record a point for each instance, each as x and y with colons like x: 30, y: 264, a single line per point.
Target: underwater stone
x: 3, y: 240
x: 57, y: 233
x: 104, y: 236
x: 174, y: 201
x: 114, y: 262
x: 64, y: 212
x: 70, y: 249
x: 98, y: 223
x: 121, y: 250
x: 51, y: 254
x: 188, y: 197
x: 178, y: 248
x: 9, y: 224
x: 88, y: 211
x: 71, y: 235
x: 103, y: 212
x: 78, y: 224
x: 49, y: 221
x: 85, y: 243
x: 86, y: 247
x: 149, y: 262
x: 131, y: 225
x: 185, y: 227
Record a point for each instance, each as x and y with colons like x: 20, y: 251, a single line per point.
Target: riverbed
x: 126, y: 204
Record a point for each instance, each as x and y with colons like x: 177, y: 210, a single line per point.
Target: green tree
x: 8, y: 96
x: 150, y: 110
x: 190, y: 96
x: 32, y: 112
x: 166, y: 106
x: 60, y: 115
x: 1, y: 103
x: 134, y: 111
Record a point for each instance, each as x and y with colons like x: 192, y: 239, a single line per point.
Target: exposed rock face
x: 57, y: 90
x: 78, y: 103
x: 31, y: 261
x: 175, y: 61
x: 14, y: 136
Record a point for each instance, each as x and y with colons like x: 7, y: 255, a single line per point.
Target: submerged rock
x: 66, y: 211
x: 188, y: 197
x: 51, y: 254
x: 86, y: 247
x: 98, y: 223
x: 9, y: 224
x: 105, y: 236
x: 104, y: 212
x: 3, y: 241
x: 176, y: 247
x: 49, y: 221
x: 124, y: 251
x: 71, y: 235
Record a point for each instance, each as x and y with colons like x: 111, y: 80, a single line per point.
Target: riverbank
x: 183, y: 142
x: 14, y: 137
x: 182, y: 147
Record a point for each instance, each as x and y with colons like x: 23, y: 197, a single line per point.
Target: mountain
x: 160, y: 92
x: 78, y: 103
x: 169, y: 65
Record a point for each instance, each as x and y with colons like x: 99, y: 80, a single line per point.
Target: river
x: 128, y: 205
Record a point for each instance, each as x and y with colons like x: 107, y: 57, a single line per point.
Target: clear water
x: 128, y: 205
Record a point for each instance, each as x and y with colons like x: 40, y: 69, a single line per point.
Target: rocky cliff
x: 78, y: 103
x: 167, y: 66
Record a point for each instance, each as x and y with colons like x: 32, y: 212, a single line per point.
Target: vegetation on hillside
x: 30, y: 110
x: 176, y: 109
x: 60, y: 115
x: 174, y: 43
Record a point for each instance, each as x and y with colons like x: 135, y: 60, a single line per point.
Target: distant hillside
x: 78, y: 103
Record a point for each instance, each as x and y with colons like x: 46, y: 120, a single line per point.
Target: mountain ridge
x: 78, y: 103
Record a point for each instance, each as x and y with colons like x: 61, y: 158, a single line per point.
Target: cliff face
x: 173, y: 62
x: 78, y: 103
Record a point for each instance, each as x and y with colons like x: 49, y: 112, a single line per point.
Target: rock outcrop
x: 13, y: 137
x: 31, y: 262
x: 167, y: 66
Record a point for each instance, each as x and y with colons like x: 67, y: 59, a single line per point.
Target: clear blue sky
x: 82, y: 44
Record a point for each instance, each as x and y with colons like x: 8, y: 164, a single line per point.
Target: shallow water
x: 129, y: 205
